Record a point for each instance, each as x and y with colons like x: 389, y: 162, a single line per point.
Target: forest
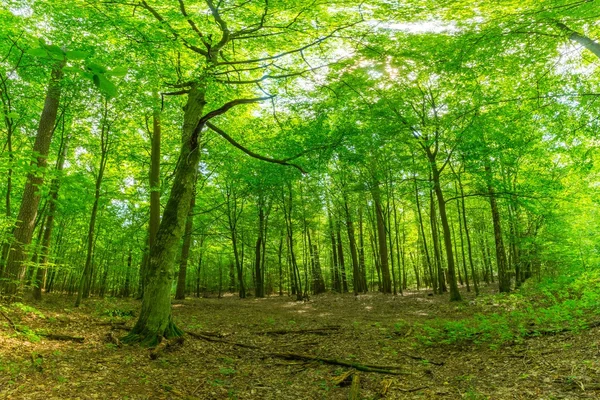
x: 299, y: 199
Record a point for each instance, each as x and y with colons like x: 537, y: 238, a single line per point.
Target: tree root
x: 165, y: 345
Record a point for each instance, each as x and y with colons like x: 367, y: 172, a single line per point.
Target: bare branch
x: 176, y: 34
x: 252, y: 154
x: 297, y: 50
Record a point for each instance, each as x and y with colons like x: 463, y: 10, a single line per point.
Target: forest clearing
x: 371, y: 329
x: 271, y: 199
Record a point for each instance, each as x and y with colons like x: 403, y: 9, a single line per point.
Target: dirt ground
x: 368, y: 329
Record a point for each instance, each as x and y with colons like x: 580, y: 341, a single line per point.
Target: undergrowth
x: 566, y: 303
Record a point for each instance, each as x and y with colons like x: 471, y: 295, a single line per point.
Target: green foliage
x: 568, y: 302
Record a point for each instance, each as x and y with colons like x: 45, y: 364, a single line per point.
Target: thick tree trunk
x: 155, y: 318
x: 441, y: 282
x: 15, y: 268
x: 185, y: 251
x: 154, y: 180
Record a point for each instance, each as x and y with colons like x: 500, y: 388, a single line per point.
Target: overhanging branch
x: 252, y: 154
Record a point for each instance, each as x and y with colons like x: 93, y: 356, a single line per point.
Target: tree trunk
x: 356, y: 276
x: 104, y: 148
x: 185, y: 251
x: 155, y: 318
x: 43, y: 268
x: 503, y: 276
x: 15, y: 268
x: 259, y: 291
x: 382, y: 240
x: 454, y: 293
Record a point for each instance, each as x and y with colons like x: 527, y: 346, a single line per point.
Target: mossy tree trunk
x: 155, y: 320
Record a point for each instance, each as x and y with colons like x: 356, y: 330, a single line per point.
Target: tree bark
x: 185, y: 251
x: 382, y: 240
x: 15, y: 268
x: 155, y: 318
x: 104, y: 148
x: 503, y: 276
x: 454, y: 293
x: 43, y: 268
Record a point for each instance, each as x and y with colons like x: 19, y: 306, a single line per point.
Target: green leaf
x: 55, y: 51
x: 77, y: 55
x: 106, y: 87
x: 37, y: 52
x: 118, y: 71
x: 95, y: 67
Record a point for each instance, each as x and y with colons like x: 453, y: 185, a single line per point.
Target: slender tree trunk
x: 381, y: 237
x: 356, y: 275
x: 43, y: 268
x: 424, y: 239
x: 503, y: 276
x: 104, y: 148
x: 341, y: 261
x: 454, y: 293
x: 260, y: 283
x: 468, y: 236
x: 361, y: 253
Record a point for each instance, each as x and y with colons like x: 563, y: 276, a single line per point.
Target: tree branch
x: 583, y: 40
x: 252, y: 154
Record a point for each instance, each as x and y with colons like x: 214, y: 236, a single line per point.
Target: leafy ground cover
x: 538, y: 343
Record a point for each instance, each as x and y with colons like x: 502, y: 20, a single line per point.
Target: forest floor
x: 368, y: 329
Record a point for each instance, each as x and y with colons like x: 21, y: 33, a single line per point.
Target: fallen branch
x: 316, y: 331
x: 66, y: 338
x: 391, y: 370
x: 12, y: 324
x: 355, y: 388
